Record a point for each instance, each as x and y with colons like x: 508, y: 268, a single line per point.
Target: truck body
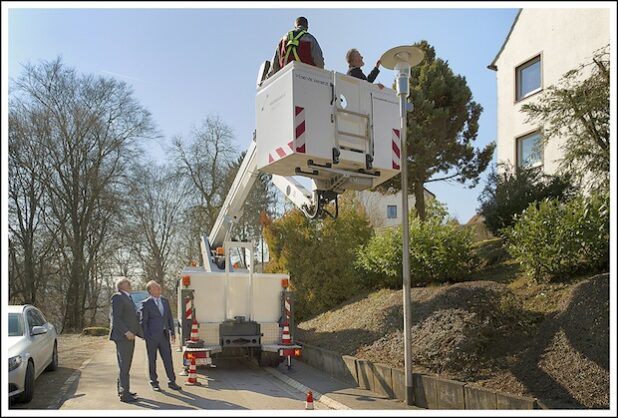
x: 339, y: 131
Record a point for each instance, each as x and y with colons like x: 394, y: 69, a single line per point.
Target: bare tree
x: 92, y: 126
x: 27, y: 199
x: 155, y: 207
x: 203, y: 162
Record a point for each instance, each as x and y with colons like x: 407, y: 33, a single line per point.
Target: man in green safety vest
x: 297, y: 45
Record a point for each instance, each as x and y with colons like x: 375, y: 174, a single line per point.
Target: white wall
x: 565, y: 38
x: 376, y: 204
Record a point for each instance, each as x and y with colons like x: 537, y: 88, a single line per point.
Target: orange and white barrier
x: 309, y: 402
x: 192, y: 379
x: 286, y: 339
x: 194, y: 334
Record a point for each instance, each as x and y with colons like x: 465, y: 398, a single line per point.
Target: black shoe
x: 174, y: 386
x: 156, y: 388
x: 130, y: 393
x: 128, y: 398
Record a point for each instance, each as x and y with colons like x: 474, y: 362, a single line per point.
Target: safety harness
x: 292, y: 45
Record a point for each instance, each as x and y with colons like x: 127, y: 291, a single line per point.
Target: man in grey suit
x: 158, y: 325
x: 124, y: 324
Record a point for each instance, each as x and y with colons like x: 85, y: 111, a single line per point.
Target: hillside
x: 486, y: 332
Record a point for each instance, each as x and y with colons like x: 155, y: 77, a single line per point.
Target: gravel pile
x: 567, y: 364
x: 452, y: 326
x: 478, y: 332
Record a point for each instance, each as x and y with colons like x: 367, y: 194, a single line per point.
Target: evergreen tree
x: 442, y: 127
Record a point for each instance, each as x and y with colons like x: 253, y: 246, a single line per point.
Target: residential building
x: 541, y: 47
x: 384, y: 210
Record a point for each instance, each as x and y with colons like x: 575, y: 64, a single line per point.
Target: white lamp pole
x: 401, y: 59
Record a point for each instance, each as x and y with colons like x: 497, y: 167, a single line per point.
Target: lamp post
x: 401, y: 59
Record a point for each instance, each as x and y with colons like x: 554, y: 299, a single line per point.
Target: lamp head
x: 401, y: 59
x: 402, y: 55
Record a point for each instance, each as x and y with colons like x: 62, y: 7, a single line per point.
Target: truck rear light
x: 186, y: 280
x: 293, y: 352
x: 196, y: 354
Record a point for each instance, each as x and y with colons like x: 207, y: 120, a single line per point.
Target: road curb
x: 330, y: 402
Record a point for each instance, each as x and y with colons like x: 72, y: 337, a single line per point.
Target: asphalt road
x: 233, y: 385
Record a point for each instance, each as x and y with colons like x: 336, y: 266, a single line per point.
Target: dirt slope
x: 479, y: 332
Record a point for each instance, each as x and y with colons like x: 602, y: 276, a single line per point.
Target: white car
x: 32, y: 346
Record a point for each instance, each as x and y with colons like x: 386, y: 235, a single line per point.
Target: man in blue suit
x: 158, y: 325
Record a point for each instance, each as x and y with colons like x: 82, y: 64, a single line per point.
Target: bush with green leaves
x: 510, y: 191
x: 556, y: 240
x: 439, y: 252
x: 318, y: 255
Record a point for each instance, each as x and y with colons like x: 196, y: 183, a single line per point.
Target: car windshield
x: 16, y: 327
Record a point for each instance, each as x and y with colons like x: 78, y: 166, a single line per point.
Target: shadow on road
x: 47, y: 389
x: 192, y: 402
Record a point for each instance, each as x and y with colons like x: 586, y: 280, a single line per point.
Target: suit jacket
x: 123, y: 318
x: 358, y: 73
x: 153, y: 323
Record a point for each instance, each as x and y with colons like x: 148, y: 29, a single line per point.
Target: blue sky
x: 186, y: 64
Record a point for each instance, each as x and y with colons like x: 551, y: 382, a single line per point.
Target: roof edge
x: 493, y: 65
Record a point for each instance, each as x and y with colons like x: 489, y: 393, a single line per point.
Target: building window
x: 530, y: 150
x: 529, y: 78
x: 391, y: 212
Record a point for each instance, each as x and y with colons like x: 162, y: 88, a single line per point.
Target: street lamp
x: 401, y: 59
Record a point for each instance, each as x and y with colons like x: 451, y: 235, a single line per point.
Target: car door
x: 47, y: 339
x: 37, y: 342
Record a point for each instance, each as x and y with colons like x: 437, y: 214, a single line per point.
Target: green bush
x: 318, y: 255
x: 510, y: 192
x: 379, y: 262
x: 95, y: 331
x: 557, y: 240
x: 439, y: 252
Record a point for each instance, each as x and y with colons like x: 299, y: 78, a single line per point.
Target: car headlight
x: 14, y: 362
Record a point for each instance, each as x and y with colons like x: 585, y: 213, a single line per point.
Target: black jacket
x: 123, y: 318
x: 358, y: 73
x: 151, y: 320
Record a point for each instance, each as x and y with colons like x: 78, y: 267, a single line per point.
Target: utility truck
x: 340, y: 132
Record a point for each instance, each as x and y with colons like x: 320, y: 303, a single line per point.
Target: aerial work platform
x: 340, y: 131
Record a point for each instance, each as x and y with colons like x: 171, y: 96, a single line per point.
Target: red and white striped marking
x: 286, y: 339
x: 194, y: 332
x: 287, y: 308
x: 299, y: 124
x: 188, y: 310
x: 280, y: 152
x: 299, y: 138
x: 192, y: 379
x: 396, y: 150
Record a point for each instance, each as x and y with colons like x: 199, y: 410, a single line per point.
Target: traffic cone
x: 192, y: 379
x: 309, y: 402
x: 286, y: 339
x: 194, y: 335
